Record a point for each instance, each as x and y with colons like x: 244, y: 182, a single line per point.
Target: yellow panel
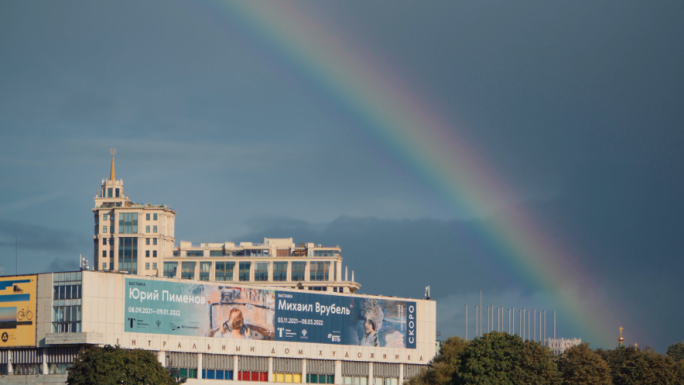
x: 297, y: 378
x: 280, y: 378
x: 18, y: 311
x: 288, y: 377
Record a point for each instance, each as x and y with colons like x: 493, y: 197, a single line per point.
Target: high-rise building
x: 139, y: 239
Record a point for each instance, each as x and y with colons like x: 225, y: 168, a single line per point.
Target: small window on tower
x: 147, y: 216
x: 147, y: 253
x: 154, y: 241
x: 104, y: 229
x: 147, y: 229
x: 104, y: 217
x: 104, y: 265
x: 147, y: 241
x: 147, y: 266
x: 154, y: 253
x: 154, y: 266
x: 155, y: 217
x: 154, y: 228
x: 104, y: 241
x: 109, y: 192
x: 104, y: 253
x: 117, y: 192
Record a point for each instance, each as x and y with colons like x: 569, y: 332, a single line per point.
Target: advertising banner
x: 345, y: 320
x: 213, y: 310
x: 17, y: 311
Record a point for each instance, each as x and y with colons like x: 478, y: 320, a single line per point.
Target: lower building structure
x: 560, y: 345
x: 212, y: 332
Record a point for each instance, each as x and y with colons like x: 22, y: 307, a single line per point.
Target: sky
x: 528, y: 149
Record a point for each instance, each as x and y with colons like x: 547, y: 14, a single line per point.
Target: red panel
x: 263, y: 377
x: 255, y: 376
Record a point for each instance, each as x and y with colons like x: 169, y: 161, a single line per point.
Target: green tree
x: 444, y: 365
x: 616, y: 360
x: 537, y: 366
x: 112, y: 365
x: 501, y: 358
x: 580, y: 365
x: 649, y: 368
x: 676, y: 351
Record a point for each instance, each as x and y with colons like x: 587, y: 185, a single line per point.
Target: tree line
x: 500, y: 359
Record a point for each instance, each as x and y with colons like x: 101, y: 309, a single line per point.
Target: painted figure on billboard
x: 242, y: 316
x: 382, y: 323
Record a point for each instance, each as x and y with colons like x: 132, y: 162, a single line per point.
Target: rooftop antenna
x: 16, y: 253
x: 480, y: 320
x: 427, y: 292
x: 83, y: 263
x: 466, y: 317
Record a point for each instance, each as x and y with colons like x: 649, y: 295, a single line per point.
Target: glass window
x: 104, y: 229
x: 147, y: 266
x: 154, y: 228
x: 280, y: 271
x: 319, y: 271
x: 205, y: 267
x: 147, y: 216
x: 224, y: 271
x: 128, y: 223
x: 155, y: 217
x: 109, y: 192
x: 194, y: 253
x: 147, y: 253
x: 104, y: 265
x: 154, y: 266
x: 128, y: 254
x: 244, y: 271
x: 147, y: 229
x: 104, y: 241
x: 154, y: 253
x: 104, y: 253
x: 215, y: 253
x: 154, y: 241
x: 104, y: 217
x: 176, y: 253
x: 188, y: 270
x: 298, y: 269
x: 261, y: 271
x: 170, y: 269
x: 147, y: 240
x: 116, y: 191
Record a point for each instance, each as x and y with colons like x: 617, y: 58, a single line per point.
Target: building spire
x: 112, y: 174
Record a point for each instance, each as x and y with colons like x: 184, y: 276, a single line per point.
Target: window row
x: 111, y: 240
x: 211, y: 374
x: 67, y: 292
x: 147, y: 266
x: 225, y: 271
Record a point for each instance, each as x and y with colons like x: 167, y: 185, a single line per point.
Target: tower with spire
x: 129, y: 236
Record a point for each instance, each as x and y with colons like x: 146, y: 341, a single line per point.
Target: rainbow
x: 404, y: 124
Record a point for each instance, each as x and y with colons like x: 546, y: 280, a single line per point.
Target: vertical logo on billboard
x: 5, y: 337
x: 411, y: 324
x: 131, y: 320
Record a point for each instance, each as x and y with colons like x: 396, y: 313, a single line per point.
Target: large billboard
x: 18, y: 311
x: 212, y: 310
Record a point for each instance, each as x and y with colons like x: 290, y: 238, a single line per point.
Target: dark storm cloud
x: 575, y: 105
x: 607, y: 218
x: 37, y: 238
